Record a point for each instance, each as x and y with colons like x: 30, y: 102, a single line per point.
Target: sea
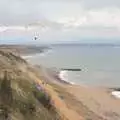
x: 99, y: 63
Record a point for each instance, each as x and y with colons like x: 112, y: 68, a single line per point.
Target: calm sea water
x: 100, y: 64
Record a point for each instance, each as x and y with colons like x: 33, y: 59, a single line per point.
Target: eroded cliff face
x: 20, y: 99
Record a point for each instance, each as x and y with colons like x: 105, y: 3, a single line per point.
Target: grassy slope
x: 19, y: 98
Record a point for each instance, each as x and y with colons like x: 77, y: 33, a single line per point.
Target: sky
x: 59, y: 20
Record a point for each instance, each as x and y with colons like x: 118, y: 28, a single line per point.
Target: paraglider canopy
x: 36, y: 37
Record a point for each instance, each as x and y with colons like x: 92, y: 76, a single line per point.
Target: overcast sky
x: 59, y: 20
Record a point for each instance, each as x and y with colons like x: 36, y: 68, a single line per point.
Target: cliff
x: 22, y: 97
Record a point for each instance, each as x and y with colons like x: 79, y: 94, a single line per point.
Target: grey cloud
x: 91, y: 3
x: 13, y: 12
x: 20, y: 12
x: 100, y: 3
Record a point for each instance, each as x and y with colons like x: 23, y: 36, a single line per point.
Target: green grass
x: 34, y: 106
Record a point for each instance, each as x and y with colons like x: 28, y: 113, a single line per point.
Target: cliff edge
x: 22, y: 95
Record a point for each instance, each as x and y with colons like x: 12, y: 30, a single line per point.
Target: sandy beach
x: 98, y: 100
x: 90, y: 103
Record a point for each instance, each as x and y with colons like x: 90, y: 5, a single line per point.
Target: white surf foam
x: 27, y: 56
x: 33, y: 55
x: 63, y: 75
x: 116, y: 94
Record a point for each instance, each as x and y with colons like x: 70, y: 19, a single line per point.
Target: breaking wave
x: 63, y: 75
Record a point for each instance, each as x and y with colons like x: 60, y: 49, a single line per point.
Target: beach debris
x: 116, y: 94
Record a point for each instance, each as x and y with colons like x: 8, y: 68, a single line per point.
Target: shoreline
x: 99, y: 100
x: 30, y: 55
x: 60, y: 73
x: 57, y: 73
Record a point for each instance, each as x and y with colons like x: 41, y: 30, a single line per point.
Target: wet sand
x: 99, y: 100
x: 95, y: 102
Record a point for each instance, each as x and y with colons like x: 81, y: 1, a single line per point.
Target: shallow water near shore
x: 100, y: 64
